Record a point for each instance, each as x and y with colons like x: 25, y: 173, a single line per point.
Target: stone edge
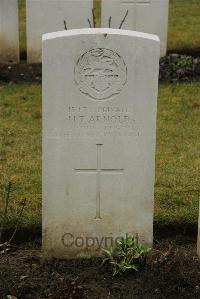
x: 74, y: 32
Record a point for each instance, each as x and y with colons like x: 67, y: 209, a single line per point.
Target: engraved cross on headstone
x: 133, y: 11
x: 98, y: 171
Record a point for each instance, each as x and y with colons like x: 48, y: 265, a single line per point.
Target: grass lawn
x: 184, y: 25
x: 177, y: 160
x: 22, y: 26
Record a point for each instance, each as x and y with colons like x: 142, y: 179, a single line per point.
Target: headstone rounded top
x: 104, y: 31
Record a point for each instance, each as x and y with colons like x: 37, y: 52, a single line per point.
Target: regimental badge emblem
x: 100, y: 73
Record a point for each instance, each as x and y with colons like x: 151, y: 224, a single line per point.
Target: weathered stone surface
x: 99, y: 134
x: 149, y: 16
x: 44, y: 16
x: 9, y: 31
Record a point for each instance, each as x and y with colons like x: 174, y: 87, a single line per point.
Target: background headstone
x: 43, y: 16
x: 9, y: 31
x: 99, y: 135
x: 149, y: 16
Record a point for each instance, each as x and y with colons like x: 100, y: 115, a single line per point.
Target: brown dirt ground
x: 171, y: 271
x: 21, y: 73
x: 33, y: 72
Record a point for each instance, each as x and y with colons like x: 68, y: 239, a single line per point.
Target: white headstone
x: 44, y: 16
x: 99, y: 135
x: 149, y: 16
x: 9, y: 31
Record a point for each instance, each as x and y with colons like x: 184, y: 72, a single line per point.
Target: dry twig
x: 122, y: 22
x: 5, y: 210
x: 89, y: 23
x: 18, y: 221
x: 65, y: 25
x: 94, y: 19
x: 4, y: 247
x: 109, y: 22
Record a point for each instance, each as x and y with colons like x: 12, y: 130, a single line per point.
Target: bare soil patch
x: 174, y: 67
x: 171, y: 271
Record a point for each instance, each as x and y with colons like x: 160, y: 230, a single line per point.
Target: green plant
x: 179, y: 62
x: 128, y: 255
